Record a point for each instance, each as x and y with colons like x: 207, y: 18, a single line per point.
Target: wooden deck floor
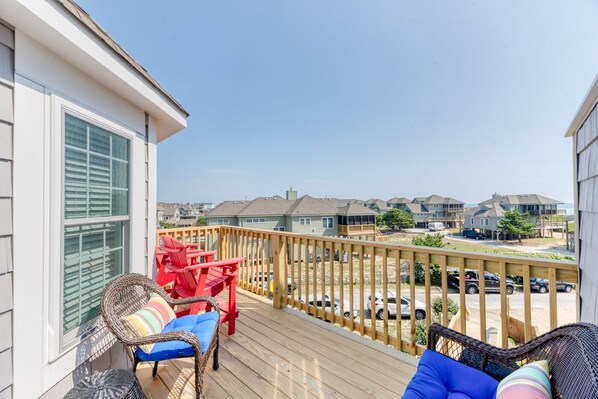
x: 284, y: 354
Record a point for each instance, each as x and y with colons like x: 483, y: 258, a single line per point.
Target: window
x: 255, y: 220
x: 279, y: 228
x: 305, y: 221
x: 471, y: 221
x: 223, y: 222
x: 327, y: 223
x: 96, y: 218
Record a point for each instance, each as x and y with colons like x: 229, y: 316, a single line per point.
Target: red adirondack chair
x: 194, y: 278
x: 167, y: 273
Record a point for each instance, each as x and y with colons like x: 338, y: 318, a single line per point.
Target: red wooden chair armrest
x: 225, y: 264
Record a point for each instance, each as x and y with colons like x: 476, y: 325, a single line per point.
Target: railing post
x: 280, y: 258
x: 220, y: 243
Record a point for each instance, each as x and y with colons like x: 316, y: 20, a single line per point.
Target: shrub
x: 421, y: 337
x: 451, y: 306
x: 420, y: 274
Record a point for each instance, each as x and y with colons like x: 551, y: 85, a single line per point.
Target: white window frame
x: 223, y: 222
x: 279, y: 228
x: 328, y: 222
x: 56, y: 343
x: 472, y: 221
x: 305, y: 221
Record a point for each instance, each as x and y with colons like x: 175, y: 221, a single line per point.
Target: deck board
x: 281, y: 354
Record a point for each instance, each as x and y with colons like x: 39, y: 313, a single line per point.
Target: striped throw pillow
x: 532, y: 381
x: 149, y: 320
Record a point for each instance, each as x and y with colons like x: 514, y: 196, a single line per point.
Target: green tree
x: 201, y: 221
x: 166, y: 225
x: 398, y: 217
x: 380, y: 220
x: 517, y: 224
x: 428, y: 240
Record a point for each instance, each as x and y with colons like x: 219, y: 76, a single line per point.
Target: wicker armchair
x: 129, y: 293
x: 571, y: 352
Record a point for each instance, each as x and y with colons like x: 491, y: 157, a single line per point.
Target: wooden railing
x: 356, y: 229
x: 300, y: 270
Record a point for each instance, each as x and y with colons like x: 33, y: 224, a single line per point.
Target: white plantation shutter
x: 96, y: 206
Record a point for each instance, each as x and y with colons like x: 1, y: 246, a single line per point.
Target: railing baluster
x: 482, y: 293
x: 373, y: 297
x: 331, y: 261
x: 444, y: 287
x: 428, y: 296
x: 341, y: 284
x: 412, y: 299
x: 527, y: 305
x: 351, y: 289
x: 362, y: 293
x: 552, y: 308
x: 462, y: 302
x: 504, y: 307
x: 385, y: 290
x: 398, y: 286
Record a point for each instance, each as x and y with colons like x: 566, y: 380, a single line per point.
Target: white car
x: 420, y: 307
x: 327, y: 306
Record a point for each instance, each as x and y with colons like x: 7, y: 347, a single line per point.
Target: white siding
x: 587, y: 200
x: 44, y: 84
x: 6, y: 228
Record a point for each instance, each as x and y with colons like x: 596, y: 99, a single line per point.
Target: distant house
x: 433, y: 208
x: 80, y: 121
x: 486, y: 216
x: 180, y: 215
x: 377, y: 205
x: 305, y: 215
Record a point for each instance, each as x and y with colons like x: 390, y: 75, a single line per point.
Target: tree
x: 398, y: 217
x: 380, y: 220
x: 201, y: 221
x: 517, y: 224
x: 428, y: 240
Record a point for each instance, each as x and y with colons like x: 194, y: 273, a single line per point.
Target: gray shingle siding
x: 587, y: 180
x: 6, y: 228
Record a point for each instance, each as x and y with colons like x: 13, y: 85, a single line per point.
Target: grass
x: 480, y: 247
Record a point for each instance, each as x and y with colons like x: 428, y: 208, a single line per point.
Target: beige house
x: 485, y: 217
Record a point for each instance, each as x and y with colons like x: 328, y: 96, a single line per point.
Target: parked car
x: 327, y: 306
x: 436, y: 226
x: 472, y: 283
x: 420, y: 308
x: 473, y: 235
x: 264, y: 279
x: 541, y: 285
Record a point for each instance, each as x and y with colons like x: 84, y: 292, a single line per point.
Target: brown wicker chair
x: 571, y: 352
x: 129, y: 293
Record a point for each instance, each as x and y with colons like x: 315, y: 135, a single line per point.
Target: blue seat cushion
x: 440, y: 377
x: 202, y: 326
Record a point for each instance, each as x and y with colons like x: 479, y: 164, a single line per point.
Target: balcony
x: 356, y: 230
x: 279, y: 319
x: 281, y: 354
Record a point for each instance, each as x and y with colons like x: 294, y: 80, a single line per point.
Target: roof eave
x: 58, y: 27
x: 584, y: 110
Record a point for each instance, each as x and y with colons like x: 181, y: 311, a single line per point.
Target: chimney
x: 291, y: 195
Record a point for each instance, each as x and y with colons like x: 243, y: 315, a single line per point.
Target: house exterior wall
x: 6, y: 206
x: 585, y: 145
x: 269, y: 223
x: 213, y: 221
x: 45, y: 84
x: 315, y: 228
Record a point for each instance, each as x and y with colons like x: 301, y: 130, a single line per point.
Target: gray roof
x: 492, y: 210
x: 266, y: 206
x: 437, y: 199
x: 228, y: 208
x: 399, y: 200
x: 521, y: 199
x: 415, y: 208
x: 99, y: 32
x: 354, y: 209
x: 307, y: 205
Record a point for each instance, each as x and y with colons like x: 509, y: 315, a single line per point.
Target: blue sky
x: 364, y: 99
